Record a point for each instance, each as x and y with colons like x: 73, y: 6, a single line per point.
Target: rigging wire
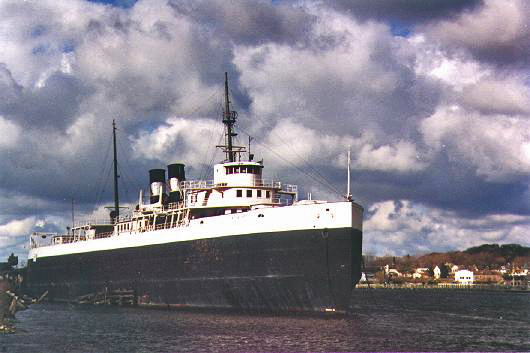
x: 209, y: 166
x: 306, y: 162
x: 317, y: 177
x: 106, y: 180
x: 125, y: 184
x: 205, y: 168
x: 214, y: 94
x: 100, y: 185
x: 295, y: 166
x: 128, y: 182
x: 211, y: 163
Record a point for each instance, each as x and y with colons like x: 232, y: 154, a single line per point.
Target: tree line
x: 484, y: 257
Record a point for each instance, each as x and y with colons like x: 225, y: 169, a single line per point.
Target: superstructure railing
x: 210, y: 184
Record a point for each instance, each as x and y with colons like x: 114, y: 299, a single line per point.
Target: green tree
x: 12, y: 260
x: 444, y: 270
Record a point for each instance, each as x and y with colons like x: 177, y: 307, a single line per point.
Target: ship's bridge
x: 238, y: 173
x: 237, y: 186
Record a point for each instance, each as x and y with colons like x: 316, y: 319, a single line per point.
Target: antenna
x: 250, y: 155
x: 348, y: 193
x: 116, y: 176
x: 73, y: 223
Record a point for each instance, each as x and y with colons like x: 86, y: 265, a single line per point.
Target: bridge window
x: 268, y: 194
x: 258, y: 192
x: 249, y: 193
x: 243, y: 169
x: 239, y: 193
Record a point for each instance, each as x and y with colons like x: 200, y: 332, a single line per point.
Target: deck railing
x: 209, y: 184
x: 87, y: 222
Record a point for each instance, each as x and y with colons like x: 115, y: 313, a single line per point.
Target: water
x: 381, y: 320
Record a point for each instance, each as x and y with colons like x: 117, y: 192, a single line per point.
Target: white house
x: 394, y: 272
x: 437, y: 272
x: 464, y: 277
x: 422, y: 270
x: 454, y: 268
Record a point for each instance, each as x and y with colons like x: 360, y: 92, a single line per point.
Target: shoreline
x: 475, y: 287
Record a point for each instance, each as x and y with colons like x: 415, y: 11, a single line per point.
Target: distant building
x: 422, y: 270
x: 454, y: 268
x: 437, y: 272
x: 394, y: 272
x: 488, y: 277
x: 464, y: 277
x: 416, y: 275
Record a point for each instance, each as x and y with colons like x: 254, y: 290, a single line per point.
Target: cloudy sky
x: 432, y: 96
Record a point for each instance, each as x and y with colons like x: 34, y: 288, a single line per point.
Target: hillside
x: 486, y: 256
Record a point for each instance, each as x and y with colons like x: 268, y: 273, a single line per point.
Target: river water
x: 380, y: 320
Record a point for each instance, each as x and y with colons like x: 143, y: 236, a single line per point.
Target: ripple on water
x: 381, y: 320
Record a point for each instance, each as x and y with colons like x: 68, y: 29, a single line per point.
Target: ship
x: 235, y: 242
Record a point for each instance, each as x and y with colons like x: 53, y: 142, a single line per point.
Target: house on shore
x: 464, y: 277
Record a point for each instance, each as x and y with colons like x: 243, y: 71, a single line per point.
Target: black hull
x: 309, y: 270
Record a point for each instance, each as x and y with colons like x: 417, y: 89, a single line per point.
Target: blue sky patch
x: 118, y: 3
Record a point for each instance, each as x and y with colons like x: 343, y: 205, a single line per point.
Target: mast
x: 348, y: 192
x: 73, y: 223
x: 115, y: 163
x: 229, y: 119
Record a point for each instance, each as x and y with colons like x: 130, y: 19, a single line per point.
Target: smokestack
x: 175, y: 174
x: 157, y: 179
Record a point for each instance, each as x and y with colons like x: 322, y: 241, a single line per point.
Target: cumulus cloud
x: 497, y: 146
x: 404, y: 227
x: 12, y: 233
x: 401, y: 157
x: 249, y: 22
x: 490, y: 96
x: 406, y: 12
x: 308, y: 78
x: 497, y: 32
x: 179, y: 140
x: 10, y: 132
x: 334, y: 83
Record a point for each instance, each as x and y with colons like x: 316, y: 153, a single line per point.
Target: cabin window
x: 258, y: 193
x: 243, y: 170
x: 229, y: 170
x: 249, y: 193
x: 236, y: 170
x: 268, y: 194
x: 239, y: 193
